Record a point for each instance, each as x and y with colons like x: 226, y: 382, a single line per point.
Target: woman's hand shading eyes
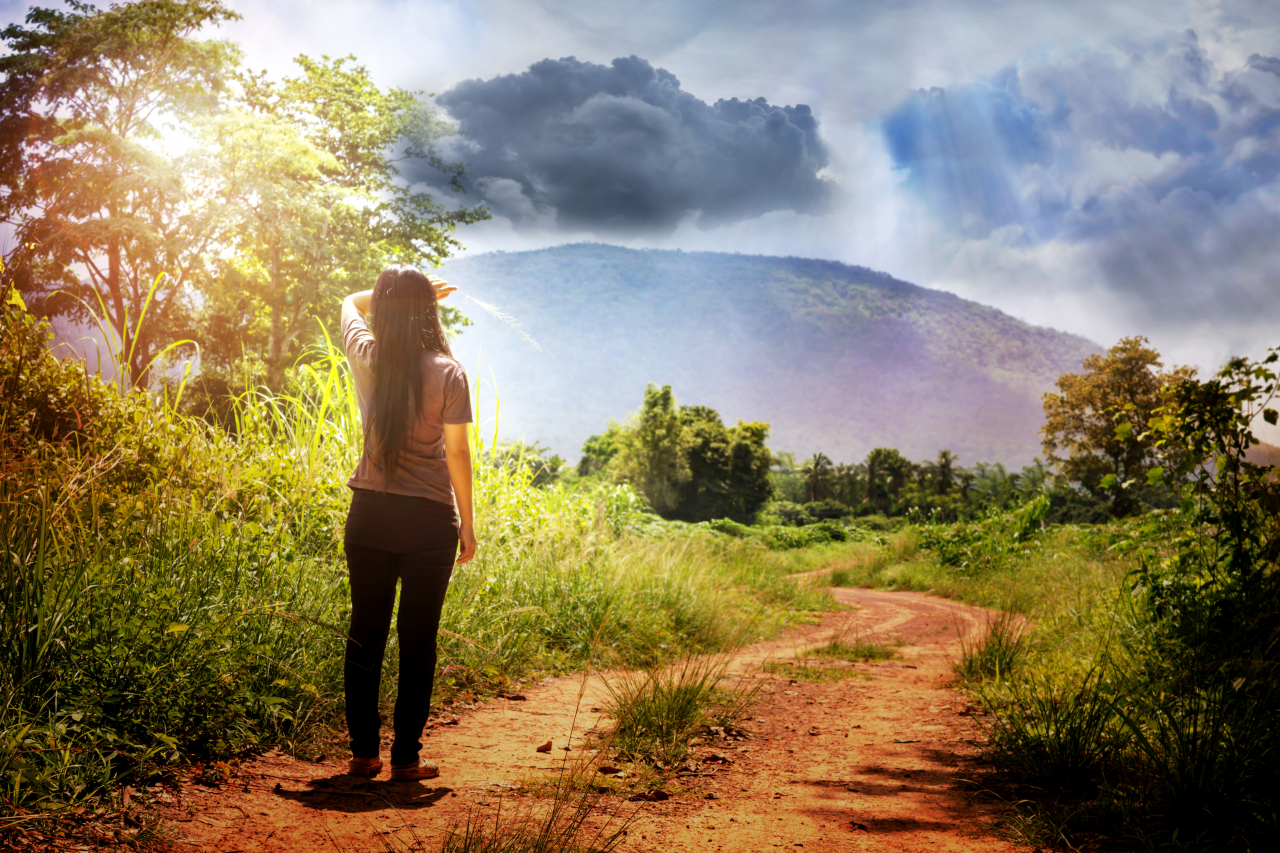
x: 441, y: 287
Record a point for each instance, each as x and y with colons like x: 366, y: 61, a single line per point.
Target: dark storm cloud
x: 1193, y: 232
x: 622, y: 147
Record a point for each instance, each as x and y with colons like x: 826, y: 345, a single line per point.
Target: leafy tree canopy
x: 98, y: 213
x: 150, y: 179
x: 303, y: 240
x: 1098, y: 427
x: 687, y: 463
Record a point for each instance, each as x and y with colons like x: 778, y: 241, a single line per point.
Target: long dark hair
x: 405, y: 322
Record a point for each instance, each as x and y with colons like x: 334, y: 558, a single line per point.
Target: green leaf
x: 1155, y: 475
x: 1108, y: 481
x: 177, y: 628
x: 1270, y: 416
x: 1124, y: 430
x: 15, y: 299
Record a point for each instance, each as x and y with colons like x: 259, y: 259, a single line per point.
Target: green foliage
x: 1055, y: 736
x: 85, y: 180
x: 997, y: 653
x: 685, y: 461
x: 320, y: 208
x: 784, y: 537
x: 651, y: 453
x: 598, y: 451
x: 287, y: 197
x: 887, y: 483
x: 1097, y: 429
x: 533, y: 456
x: 974, y: 547
x: 659, y: 711
x: 1145, y: 684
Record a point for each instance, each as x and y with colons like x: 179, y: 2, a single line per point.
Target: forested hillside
x: 836, y: 358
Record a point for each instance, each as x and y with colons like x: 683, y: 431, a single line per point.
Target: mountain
x: 834, y: 357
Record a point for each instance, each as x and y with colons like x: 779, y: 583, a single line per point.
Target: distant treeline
x: 690, y: 466
x: 1105, y: 438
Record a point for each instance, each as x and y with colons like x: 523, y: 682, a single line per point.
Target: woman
x: 415, y: 406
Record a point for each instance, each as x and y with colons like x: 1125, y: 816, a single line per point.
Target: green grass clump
x: 1057, y: 734
x: 852, y: 649
x: 997, y: 653
x: 823, y: 663
x: 802, y: 671
x: 656, y: 713
x: 572, y: 821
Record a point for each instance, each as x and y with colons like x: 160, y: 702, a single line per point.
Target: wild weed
x: 849, y: 645
x: 997, y: 653
x: 802, y: 671
x: 1053, y: 735
x: 657, y: 712
x: 572, y: 821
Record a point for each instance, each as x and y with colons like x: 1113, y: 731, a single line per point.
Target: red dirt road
x: 870, y: 762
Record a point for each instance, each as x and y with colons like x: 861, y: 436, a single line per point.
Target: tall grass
x: 997, y: 652
x: 170, y: 591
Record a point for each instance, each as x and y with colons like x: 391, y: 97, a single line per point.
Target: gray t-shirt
x: 421, y: 469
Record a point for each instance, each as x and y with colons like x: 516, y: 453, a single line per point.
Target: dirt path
x: 869, y: 762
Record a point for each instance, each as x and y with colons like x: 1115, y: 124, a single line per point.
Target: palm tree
x: 944, y: 470
x: 817, y: 475
x: 845, y: 484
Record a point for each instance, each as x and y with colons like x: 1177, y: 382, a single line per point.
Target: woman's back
x: 421, y: 468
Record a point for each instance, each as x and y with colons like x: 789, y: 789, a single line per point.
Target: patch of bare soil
x: 872, y: 761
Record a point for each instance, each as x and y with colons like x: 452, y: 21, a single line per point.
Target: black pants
x: 392, y: 538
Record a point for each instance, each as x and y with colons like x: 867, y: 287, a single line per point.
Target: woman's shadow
x: 343, y: 793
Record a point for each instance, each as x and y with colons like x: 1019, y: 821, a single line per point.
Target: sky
x: 1106, y: 168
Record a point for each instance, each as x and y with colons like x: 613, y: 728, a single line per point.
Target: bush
x: 827, y: 510
x: 784, y: 513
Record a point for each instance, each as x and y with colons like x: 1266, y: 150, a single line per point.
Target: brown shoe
x: 413, y: 772
x: 364, y: 767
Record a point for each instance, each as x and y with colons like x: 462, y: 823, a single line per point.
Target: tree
x: 944, y: 472
x: 846, y: 483
x: 300, y: 250
x: 689, y: 465
x: 272, y: 185
x: 650, y: 453
x: 749, y: 461
x: 728, y: 467
x: 705, y: 451
x: 817, y: 476
x: 598, y: 451
x: 1097, y: 430
x: 533, y: 457
x: 893, y: 467
x: 97, y: 209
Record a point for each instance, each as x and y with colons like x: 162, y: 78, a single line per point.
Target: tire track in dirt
x: 868, y: 763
